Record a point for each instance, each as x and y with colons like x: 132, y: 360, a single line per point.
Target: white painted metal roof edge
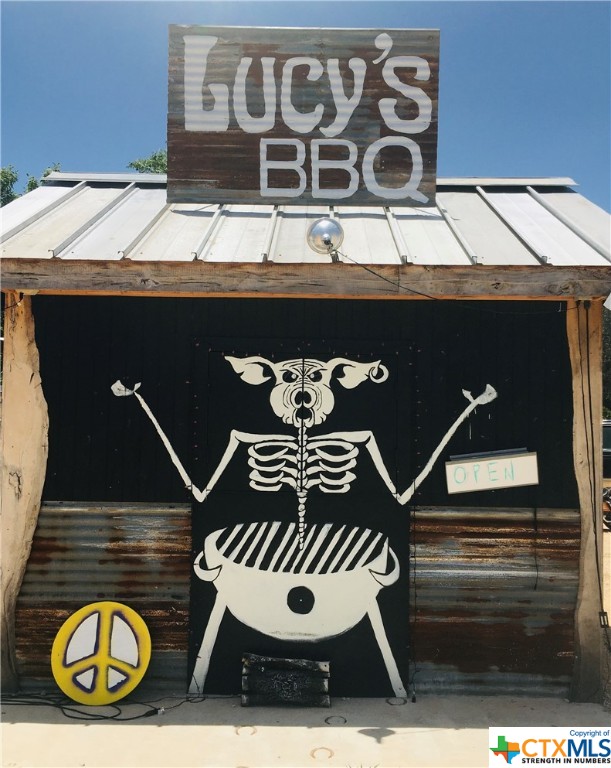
x: 498, y: 181
x: 143, y: 178
x: 469, y: 181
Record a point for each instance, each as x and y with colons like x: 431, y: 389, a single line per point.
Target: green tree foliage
x: 8, y: 179
x: 157, y: 162
x: 33, y: 183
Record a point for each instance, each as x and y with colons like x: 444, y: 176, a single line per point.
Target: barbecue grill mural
x: 291, y: 579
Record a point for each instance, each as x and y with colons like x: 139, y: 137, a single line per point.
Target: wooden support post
x: 584, y: 331
x: 24, y: 448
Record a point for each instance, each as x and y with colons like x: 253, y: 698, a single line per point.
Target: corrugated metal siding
x: 138, y: 554
x: 494, y: 597
x: 494, y: 591
x: 111, y: 217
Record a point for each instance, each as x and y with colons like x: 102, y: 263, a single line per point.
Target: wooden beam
x: 24, y: 443
x: 584, y: 331
x: 333, y: 280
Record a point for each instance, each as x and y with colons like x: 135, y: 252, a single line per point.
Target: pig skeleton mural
x: 323, y: 579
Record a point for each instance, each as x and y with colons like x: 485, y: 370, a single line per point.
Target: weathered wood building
x: 501, y: 283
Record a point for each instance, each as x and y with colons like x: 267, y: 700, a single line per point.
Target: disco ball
x: 325, y: 235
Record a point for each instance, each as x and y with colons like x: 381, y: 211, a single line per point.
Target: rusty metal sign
x: 294, y: 116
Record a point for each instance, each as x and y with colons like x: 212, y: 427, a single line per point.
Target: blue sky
x: 524, y: 86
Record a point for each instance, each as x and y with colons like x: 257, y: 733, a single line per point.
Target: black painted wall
x: 104, y: 448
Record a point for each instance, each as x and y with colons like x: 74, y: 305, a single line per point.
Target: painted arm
x: 487, y: 396
x: 235, y: 438
x: 367, y: 439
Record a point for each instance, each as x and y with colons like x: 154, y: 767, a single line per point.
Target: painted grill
x: 274, y: 546
x: 310, y: 593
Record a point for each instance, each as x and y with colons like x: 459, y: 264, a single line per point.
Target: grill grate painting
x: 273, y: 546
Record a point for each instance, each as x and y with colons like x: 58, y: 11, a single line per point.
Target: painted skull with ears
x: 302, y: 394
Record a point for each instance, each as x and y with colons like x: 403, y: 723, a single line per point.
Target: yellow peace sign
x: 101, y: 653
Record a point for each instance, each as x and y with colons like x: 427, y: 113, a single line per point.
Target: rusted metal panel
x: 302, y: 115
x: 137, y: 554
x: 494, y: 594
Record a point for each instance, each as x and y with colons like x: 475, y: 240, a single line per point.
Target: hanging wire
x: 461, y: 305
x: 16, y: 304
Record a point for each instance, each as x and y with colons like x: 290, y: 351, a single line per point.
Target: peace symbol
x: 101, y: 653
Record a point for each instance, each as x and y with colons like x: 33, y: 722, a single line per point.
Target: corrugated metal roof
x: 487, y: 221
x: 106, y: 219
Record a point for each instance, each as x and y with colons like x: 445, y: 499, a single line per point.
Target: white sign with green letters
x: 487, y: 472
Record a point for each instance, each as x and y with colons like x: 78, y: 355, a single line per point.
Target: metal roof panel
x: 177, y: 235
x: 493, y: 222
x: 428, y: 237
x: 368, y: 238
x: 27, y: 208
x: 581, y: 214
x: 290, y: 245
x: 544, y: 233
x: 113, y: 236
x: 41, y: 238
x: 491, y: 240
x: 241, y: 234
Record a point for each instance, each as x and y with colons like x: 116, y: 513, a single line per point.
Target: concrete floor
x: 434, y: 732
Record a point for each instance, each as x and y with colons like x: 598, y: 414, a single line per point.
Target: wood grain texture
x: 584, y: 332
x: 265, y: 279
x: 224, y: 165
x: 24, y: 439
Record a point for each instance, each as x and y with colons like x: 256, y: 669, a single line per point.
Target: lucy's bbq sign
x: 302, y: 115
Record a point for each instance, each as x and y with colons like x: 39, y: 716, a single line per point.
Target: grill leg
x: 202, y: 664
x: 389, y: 660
